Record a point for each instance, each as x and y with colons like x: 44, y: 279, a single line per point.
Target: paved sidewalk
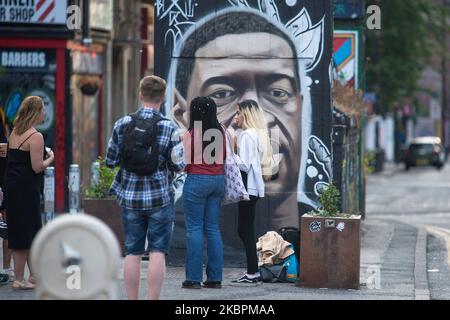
x: 390, y: 168
x: 388, y: 248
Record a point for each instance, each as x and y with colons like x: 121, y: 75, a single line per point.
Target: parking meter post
x: 49, y: 195
x: 74, y: 189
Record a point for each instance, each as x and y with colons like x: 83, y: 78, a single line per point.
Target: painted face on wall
x: 250, y: 71
x: 267, y: 51
x: 41, y: 117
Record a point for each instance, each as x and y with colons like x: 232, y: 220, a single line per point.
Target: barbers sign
x: 26, y: 60
x: 33, y: 11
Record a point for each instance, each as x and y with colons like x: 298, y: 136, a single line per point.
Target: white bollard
x: 76, y: 257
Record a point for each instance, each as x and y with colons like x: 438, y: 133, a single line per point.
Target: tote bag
x: 234, y: 186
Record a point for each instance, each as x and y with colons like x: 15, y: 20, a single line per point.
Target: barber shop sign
x: 33, y: 11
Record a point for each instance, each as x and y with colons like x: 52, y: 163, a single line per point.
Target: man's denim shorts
x: 156, y: 224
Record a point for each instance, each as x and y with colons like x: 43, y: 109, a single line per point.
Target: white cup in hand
x: 49, y: 151
x: 3, y: 149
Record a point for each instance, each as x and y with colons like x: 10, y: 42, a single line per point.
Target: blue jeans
x: 155, y: 224
x: 202, y: 197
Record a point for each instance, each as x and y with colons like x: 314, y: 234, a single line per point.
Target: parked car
x: 425, y: 151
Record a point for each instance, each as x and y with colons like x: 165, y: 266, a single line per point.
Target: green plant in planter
x: 329, y: 199
x: 100, y: 189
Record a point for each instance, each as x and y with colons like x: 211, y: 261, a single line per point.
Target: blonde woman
x: 23, y: 183
x: 255, y: 162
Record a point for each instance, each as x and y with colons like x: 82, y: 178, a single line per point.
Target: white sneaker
x: 246, y: 278
x: 10, y: 273
x: 4, y: 278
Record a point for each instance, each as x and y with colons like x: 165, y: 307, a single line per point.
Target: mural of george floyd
x: 277, y: 53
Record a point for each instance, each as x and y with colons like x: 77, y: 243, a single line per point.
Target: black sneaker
x: 191, y: 285
x: 212, y: 284
x: 246, y: 279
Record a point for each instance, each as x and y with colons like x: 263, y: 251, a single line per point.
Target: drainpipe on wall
x: 108, y: 89
x: 85, y: 32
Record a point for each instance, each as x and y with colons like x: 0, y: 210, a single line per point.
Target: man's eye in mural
x: 222, y: 95
x: 279, y: 95
x: 278, y: 92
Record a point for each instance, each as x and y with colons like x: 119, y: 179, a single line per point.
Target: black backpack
x: 292, y: 235
x: 139, y: 146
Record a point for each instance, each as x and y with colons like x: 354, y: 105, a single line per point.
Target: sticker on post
x: 330, y: 224
x: 341, y: 226
x: 315, y: 226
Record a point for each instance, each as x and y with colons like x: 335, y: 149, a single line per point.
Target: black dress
x: 2, y: 162
x: 22, y: 199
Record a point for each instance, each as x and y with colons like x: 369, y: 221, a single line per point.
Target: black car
x: 425, y: 151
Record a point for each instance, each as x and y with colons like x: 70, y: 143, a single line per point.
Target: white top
x: 249, y: 161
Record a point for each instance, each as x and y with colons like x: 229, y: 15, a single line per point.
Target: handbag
x: 234, y: 186
x: 273, y: 273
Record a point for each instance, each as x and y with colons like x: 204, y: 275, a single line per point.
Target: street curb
x: 422, y: 291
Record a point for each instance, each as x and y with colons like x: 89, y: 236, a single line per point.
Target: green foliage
x: 411, y: 34
x: 330, y: 198
x: 100, y: 190
x: 369, y: 162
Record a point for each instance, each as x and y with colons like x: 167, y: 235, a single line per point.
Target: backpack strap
x: 153, y: 120
x: 146, y: 123
x: 156, y: 117
x: 134, y: 116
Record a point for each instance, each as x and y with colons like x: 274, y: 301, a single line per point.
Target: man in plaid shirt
x: 147, y: 201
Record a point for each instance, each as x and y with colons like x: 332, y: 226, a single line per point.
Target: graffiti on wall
x: 346, y: 57
x: 277, y: 53
x: 348, y: 9
x: 28, y: 72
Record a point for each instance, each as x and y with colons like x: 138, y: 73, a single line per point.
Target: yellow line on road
x: 444, y: 234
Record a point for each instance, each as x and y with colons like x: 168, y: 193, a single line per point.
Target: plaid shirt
x: 146, y: 192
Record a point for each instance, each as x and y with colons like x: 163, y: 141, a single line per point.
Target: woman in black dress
x: 23, y: 184
x: 4, y: 134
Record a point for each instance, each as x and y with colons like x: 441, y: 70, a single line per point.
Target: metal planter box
x: 108, y: 211
x: 330, y: 252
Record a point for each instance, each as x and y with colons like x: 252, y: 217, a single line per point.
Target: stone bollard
x: 76, y: 257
